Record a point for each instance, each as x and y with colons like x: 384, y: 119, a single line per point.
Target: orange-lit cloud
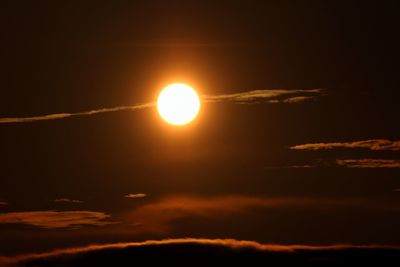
x: 369, y: 163
x: 67, y: 200
x: 270, y: 95
x: 55, y: 219
x: 200, y: 251
x: 373, y: 144
x: 255, y: 96
x: 157, y: 217
x: 305, y: 166
x: 76, y: 114
x: 298, y: 99
x: 139, y: 195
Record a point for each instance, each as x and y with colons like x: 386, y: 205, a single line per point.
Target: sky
x: 297, y: 142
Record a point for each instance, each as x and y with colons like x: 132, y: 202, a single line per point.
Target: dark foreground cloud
x: 211, y: 252
x: 249, y: 97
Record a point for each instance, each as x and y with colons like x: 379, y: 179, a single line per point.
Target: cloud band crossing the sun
x: 248, y: 97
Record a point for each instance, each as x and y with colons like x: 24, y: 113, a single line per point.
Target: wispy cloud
x: 305, y: 166
x: 56, y: 219
x: 255, y: 96
x: 372, y: 144
x: 3, y: 203
x: 202, y: 252
x: 67, y: 200
x: 270, y: 95
x: 157, y: 217
x: 298, y: 99
x: 139, y: 195
x: 369, y: 163
x: 77, y: 114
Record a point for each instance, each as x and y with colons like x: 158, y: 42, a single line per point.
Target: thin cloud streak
x: 139, y: 195
x: 372, y: 144
x: 298, y: 99
x: 77, y: 114
x: 56, y: 219
x: 255, y: 96
x: 67, y: 200
x: 369, y: 163
x: 249, y: 97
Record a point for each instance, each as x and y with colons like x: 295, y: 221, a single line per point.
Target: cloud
x: 396, y: 190
x: 373, y: 144
x: 211, y: 252
x: 352, y: 163
x: 3, y: 203
x: 369, y: 163
x: 158, y: 217
x: 77, y: 114
x: 305, y: 166
x: 67, y: 200
x: 270, y: 95
x: 55, y: 219
x: 281, y: 95
x: 298, y: 99
x: 139, y: 195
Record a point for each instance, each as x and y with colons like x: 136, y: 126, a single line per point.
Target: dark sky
x: 232, y: 173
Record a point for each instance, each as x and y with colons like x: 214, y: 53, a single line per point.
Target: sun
x: 178, y: 104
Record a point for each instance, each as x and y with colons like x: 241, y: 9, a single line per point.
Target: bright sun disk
x: 178, y: 104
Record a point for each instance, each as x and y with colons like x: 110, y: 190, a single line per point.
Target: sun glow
x: 178, y: 104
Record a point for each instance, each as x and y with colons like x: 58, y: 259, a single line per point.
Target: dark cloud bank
x: 212, y: 252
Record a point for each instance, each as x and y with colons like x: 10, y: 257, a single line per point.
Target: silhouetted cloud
x: 373, y: 144
x: 211, y: 252
x: 369, y: 163
x: 67, y: 200
x: 56, y: 219
x: 139, y: 195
